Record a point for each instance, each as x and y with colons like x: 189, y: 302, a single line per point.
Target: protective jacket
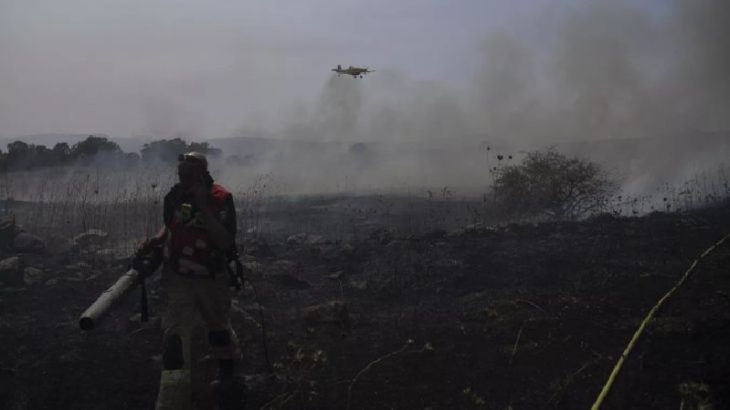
x: 190, y: 250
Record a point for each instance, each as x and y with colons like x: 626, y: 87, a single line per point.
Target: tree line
x: 95, y: 150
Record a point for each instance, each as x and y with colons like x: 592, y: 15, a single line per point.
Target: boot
x: 228, y: 389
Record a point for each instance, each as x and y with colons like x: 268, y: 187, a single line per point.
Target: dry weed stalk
x: 402, y: 350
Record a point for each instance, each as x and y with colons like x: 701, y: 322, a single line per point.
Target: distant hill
x: 49, y: 140
x: 669, y: 155
x: 130, y: 144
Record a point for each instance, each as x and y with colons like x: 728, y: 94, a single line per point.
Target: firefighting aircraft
x: 353, y: 71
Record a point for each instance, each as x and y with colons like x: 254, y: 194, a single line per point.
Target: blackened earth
x: 529, y: 316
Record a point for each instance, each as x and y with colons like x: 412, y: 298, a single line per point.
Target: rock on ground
x: 91, y: 237
x: 28, y: 243
x: 330, y: 313
x: 33, y: 276
x: 58, y: 245
x: 7, y: 232
x: 10, y: 270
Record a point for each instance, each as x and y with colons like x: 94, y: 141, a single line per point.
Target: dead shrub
x: 549, y: 183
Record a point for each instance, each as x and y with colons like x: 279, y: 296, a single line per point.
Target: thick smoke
x: 594, y: 70
x: 601, y: 70
x: 702, y: 35
x: 609, y: 70
x: 574, y: 71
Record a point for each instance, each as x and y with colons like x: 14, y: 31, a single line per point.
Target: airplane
x: 353, y: 71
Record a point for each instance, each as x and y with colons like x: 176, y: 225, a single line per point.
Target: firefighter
x: 198, y: 233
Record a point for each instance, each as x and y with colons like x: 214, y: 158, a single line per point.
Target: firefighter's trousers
x: 197, y: 334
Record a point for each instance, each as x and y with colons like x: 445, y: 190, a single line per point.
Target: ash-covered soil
x: 518, y: 316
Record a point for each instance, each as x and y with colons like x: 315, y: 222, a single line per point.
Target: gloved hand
x: 152, y: 242
x: 145, y: 245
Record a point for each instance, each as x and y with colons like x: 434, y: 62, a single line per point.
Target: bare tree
x: 551, y: 183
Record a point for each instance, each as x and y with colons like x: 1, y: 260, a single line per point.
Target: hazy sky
x: 217, y: 68
x: 214, y: 66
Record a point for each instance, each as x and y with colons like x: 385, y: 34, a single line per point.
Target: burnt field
x: 384, y: 302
